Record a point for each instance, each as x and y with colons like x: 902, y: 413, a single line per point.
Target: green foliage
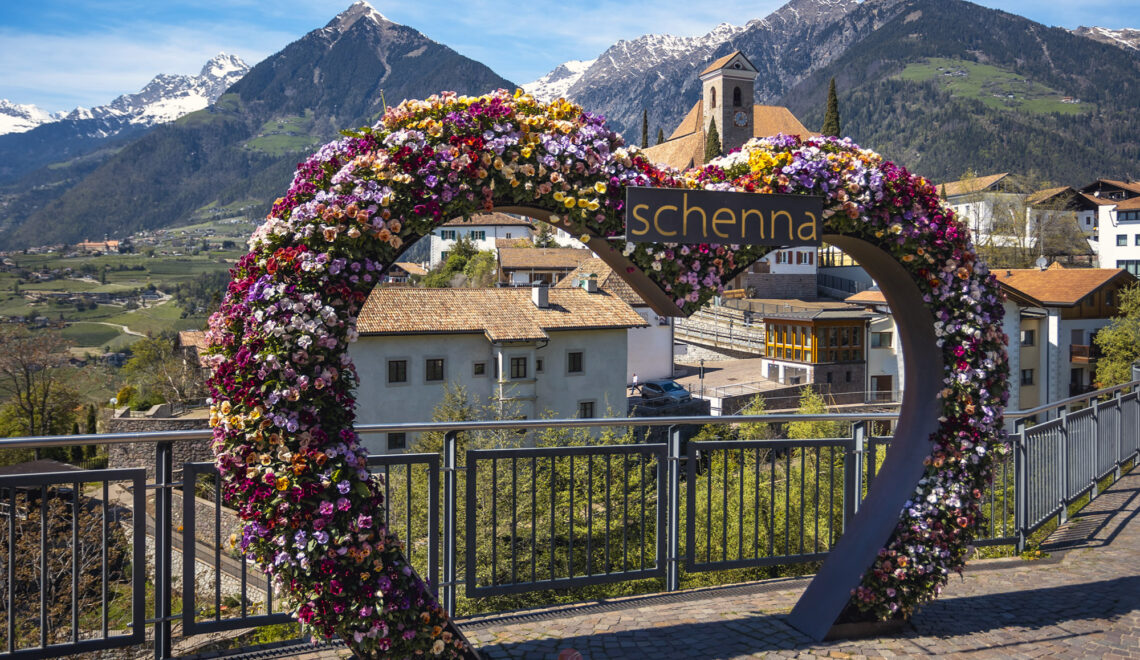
x: 644, y: 128
x: 831, y: 115
x: 125, y: 395
x: 993, y: 86
x: 1120, y: 340
x: 544, y: 235
x: 812, y: 403
x: 455, y: 271
x: 712, y: 142
x: 157, y: 368
x: 660, y: 136
x: 480, y: 270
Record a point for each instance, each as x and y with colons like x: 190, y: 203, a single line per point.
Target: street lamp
x: 702, y: 376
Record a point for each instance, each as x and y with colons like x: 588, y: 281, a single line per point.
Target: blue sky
x: 62, y: 53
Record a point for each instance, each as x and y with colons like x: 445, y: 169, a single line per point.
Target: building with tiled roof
x: 193, y: 345
x: 1065, y: 203
x: 401, y: 272
x: 728, y: 99
x: 527, y: 351
x: 523, y: 266
x: 483, y: 230
x: 1118, y: 222
x: 1052, y: 317
x: 650, y: 348
x: 986, y: 202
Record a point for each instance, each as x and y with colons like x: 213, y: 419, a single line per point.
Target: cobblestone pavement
x: 1083, y: 601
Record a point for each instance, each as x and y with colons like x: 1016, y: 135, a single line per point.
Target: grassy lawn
x: 89, y: 334
x: 996, y: 87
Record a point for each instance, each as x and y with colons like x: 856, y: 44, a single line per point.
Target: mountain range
x: 941, y: 86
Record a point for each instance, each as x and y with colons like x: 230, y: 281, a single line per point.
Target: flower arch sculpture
x: 282, y: 384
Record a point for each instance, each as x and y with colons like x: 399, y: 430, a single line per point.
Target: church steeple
x: 727, y: 96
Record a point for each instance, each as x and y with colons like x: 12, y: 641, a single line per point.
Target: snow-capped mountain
x: 168, y: 96
x: 556, y: 83
x: 787, y: 45
x: 17, y: 118
x: 1126, y: 38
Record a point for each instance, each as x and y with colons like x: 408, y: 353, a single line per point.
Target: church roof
x: 722, y: 62
x: 686, y: 146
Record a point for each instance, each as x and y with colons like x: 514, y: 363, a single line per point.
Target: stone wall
x: 142, y: 454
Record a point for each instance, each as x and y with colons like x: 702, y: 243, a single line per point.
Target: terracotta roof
x: 608, y: 280
x: 720, y: 62
x: 686, y: 145
x: 1134, y: 186
x: 411, y: 268
x: 501, y: 243
x: 500, y: 314
x: 867, y: 297
x: 485, y: 219
x: 1048, y: 193
x: 1128, y: 204
x: 1057, y: 286
x: 1097, y: 200
x: 532, y: 257
x: 966, y: 186
x: 192, y: 339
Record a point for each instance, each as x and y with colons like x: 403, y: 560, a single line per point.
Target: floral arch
x: 283, y: 384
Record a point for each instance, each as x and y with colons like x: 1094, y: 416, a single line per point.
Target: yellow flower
x: 282, y: 483
x: 225, y: 407
x: 569, y: 202
x: 558, y: 196
x: 600, y: 188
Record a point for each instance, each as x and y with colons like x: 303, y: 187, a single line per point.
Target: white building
x: 650, y: 348
x: 482, y: 230
x: 885, y: 366
x: 985, y: 201
x: 532, y: 351
x: 1118, y: 223
x: 1058, y: 312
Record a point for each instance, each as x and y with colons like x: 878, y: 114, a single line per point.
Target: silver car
x: 664, y: 389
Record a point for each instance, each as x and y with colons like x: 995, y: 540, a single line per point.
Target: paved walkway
x: 1083, y: 601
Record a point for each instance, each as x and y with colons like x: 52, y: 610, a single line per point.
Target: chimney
x: 590, y: 283
x: 540, y: 295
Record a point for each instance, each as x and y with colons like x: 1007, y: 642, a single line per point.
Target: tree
x: 712, y: 142
x: 644, y: 128
x: 481, y: 269
x: 544, y: 236
x: 1119, y: 341
x: 812, y: 403
x: 33, y: 377
x: 660, y: 136
x: 831, y: 116
x: 445, y: 274
x: 91, y: 418
x: 157, y: 366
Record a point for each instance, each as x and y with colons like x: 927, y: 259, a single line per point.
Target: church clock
x: 740, y: 118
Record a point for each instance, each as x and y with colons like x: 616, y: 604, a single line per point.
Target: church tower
x: 727, y: 93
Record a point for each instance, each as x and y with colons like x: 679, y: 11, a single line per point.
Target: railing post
x: 163, y: 540
x: 1096, y: 446
x: 1020, y: 485
x: 450, y: 517
x: 672, y: 568
x: 1118, y: 459
x: 853, y: 473
x: 1063, y: 515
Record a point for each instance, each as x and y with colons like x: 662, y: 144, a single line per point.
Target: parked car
x: 667, y: 391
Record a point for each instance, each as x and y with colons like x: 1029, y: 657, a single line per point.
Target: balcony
x: 1084, y: 354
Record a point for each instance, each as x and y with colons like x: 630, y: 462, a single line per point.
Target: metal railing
x: 571, y: 511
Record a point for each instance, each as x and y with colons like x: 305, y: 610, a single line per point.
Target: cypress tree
x: 660, y: 136
x: 712, y: 142
x: 644, y: 128
x: 831, y: 117
x: 91, y: 418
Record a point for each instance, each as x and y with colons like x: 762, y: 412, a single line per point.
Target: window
x: 1130, y: 265
x: 397, y: 371
x: 478, y: 235
x: 881, y: 339
x: 443, y: 255
x: 574, y: 362
x: 479, y: 369
x: 1110, y: 298
x: 1028, y: 337
x: 518, y: 367
x: 538, y: 365
x: 1026, y: 376
x: 585, y: 409
x: 397, y: 441
x: 433, y: 369
x: 847, y: 376
x: 447, y: 234
x: 1121, y: 240
x: 1136, y: 239
x: 736, y: 96
x: 829, y: 377
x: 712, y: 95
x: 508, y: 234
